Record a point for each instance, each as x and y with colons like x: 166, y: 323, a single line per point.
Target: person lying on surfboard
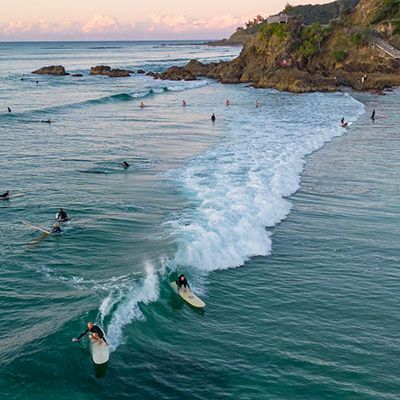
x: 56, y: 228
x: 182, y: 281
x: 62, y: 215
x: 5, y: 195
x: 96, y: 333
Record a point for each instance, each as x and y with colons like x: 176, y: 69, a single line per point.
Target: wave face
x: 240, y: 187
x: 237, y: 190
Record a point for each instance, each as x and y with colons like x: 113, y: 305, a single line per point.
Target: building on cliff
x: 281, y: 18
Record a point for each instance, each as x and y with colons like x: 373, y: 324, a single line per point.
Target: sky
x: 130, y: 19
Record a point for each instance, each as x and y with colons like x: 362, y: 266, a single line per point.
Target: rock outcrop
x: 57, y: 70
x: 304, y: 58
x: 108, y: 71
x: 177, y: 74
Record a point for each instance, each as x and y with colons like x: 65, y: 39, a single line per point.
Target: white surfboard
x: 100, y: 352
x: 36, y: 228
x: 13, y: 196
x: 187, y: 295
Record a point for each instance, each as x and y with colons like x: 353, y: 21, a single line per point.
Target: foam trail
x: 128, y: 310
x: 240, y: 187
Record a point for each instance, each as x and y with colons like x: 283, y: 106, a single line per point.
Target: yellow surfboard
x: 188, y: 296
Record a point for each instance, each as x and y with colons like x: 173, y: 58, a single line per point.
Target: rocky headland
x: 353, y: 50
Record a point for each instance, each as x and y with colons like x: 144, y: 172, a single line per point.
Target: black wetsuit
x: 342, y: 120
x: 182, y: 282
x: 4, y: 195
x: 373, y: 115
x: 56, y: 229
x: 95, y: 329
x: 62, y: 216
x: 213, y: 118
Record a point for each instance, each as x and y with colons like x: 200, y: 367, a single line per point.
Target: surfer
x: 182, y: 281
x: 257, y: 104
x: 373, y: 115
x: 62, y: 215
x: 5, y: 195
x: 46, y: 121
x: 342, y: 121
x: 184, y: 104
x: 56, y: 228
x: 96, y: 333
x: 213, y: 118
x: 9, y: 109
x: 141, y: 105
x: 125, y: 165
x: 227, y: 102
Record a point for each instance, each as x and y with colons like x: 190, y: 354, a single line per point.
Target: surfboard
x: 13, y: 196
x: 100, y: 352
x: 36, y: 228
x: 188, y: 296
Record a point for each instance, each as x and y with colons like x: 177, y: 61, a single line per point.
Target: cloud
x: 100, y: 23
x: 101, y: 26
x: 183, y: 23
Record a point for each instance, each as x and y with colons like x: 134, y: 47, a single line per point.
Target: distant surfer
x: 46, y: 121
x: 373, y: 115
x: 344, y: 123
x: 125, y: 165
x: 5, y: 195
x: 184, y: 104
x: 62, y: 216
x: 182, y: 281
x: 9, y: 109
x: 56, y: 228
x: 142, y: 105
x: 213, y: 118
x: 96, y: 333
x: 257, y: 104
x: 227, y: 102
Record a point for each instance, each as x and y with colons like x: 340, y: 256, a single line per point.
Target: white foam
x: 239, y: 188
x: 128, y: 309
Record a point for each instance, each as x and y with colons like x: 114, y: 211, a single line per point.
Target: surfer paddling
x: 125, y: 165
x: 5, y: 195
x: 96, y: 334
x: 62, y: 216
x: 56, y: 228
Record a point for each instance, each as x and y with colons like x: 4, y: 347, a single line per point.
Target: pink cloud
x: 100, y: 23
x: 183, y: 23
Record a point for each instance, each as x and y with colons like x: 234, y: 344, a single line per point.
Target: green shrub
x: 339, y: 55
x: 396, y: 26
x: 278, y: 30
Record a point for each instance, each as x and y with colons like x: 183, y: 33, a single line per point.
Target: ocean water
x: 294, y: 250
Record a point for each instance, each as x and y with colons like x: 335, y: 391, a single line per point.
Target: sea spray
x: 128, y: 310
x: 239, y: 188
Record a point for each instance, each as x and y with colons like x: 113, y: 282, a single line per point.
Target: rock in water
x: 107, y: 71
x: 100, y: 70
x: 57, y: 70
x: 177, y: 74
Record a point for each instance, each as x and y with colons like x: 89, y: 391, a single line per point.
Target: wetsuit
x: 62, y: 216
x: 56, y: 229
x: 373, y: 115
x: 4, y: 195
x: 342, y: 120
x: 182, y: 282
x: 213, y: 118
x: 95, y: 329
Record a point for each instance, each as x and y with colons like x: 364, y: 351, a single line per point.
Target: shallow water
x: 310, y: 313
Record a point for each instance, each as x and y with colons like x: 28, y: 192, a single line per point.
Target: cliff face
x: 302, y: 58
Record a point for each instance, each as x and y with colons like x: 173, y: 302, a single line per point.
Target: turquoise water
x: 301, y: 291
